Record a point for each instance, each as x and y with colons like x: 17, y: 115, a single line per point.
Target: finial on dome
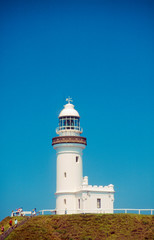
x: 69, y: 100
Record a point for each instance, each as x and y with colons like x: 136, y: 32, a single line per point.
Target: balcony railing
x: 68, y: 128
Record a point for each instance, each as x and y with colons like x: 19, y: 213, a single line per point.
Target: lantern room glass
x: 69, y: 123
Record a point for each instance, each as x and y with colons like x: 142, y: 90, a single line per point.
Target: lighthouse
x: 73, y: 194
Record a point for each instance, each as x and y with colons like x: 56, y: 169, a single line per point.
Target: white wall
x: 69, y: 172
x: 69, y: 175
x: 90, y: 202
x: 66, y: 202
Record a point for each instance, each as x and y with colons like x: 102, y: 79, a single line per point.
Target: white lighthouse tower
x: 73, y: 194
x: 69, y: 146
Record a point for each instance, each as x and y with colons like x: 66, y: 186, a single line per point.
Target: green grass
x: 5, y: 222
x: 86, y: 227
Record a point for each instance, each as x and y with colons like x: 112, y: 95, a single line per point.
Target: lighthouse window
x: 64, y: 201
x: 63, y: 124
x: 77, y: 158
x: 76, y: 123
x: 65, y: 174
x: 79, y: 203
x: 69, y: 123
x: 72, y: 122
x: 98, y: 203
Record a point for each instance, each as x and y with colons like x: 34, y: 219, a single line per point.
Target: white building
x: 73, y: 194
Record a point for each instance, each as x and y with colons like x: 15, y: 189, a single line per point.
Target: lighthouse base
x: 88, y: 199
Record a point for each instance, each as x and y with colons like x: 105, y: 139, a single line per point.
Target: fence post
x: 139, y: 211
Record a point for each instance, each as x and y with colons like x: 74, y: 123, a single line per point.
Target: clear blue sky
x: 101, y: 53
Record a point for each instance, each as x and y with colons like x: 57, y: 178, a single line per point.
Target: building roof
x: 69, y: 111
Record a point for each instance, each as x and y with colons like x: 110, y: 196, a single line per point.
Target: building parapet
x: 95, y: 188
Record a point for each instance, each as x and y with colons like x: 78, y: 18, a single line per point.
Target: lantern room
x: 69, y: 121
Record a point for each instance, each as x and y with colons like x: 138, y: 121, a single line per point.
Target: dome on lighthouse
x: 69, y: 121
x: 69, y: 110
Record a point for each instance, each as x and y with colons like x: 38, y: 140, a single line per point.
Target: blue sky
x: 101, y: 53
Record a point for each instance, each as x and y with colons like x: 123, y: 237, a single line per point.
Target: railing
x: 129, y: 210
x: 52, y: 211
x: 103, y: 211
x: 68, y: 128
x: 23, y: 213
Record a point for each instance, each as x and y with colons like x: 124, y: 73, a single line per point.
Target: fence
x: 22, y: 213
x: 103, y: 211
x: 129, y: 210
x: 80, y: 211
x: 50, y: 211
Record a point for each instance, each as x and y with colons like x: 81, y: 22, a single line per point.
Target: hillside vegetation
x: 86, y: 227
x: 5, y: 222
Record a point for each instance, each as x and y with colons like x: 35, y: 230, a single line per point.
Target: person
x: 16, y: 222
x: 33, y: 212
x: 2, y: 228
x: 10, y: 222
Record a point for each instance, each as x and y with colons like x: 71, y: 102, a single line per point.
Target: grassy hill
x: 86, y: 227
x: 5, y: 222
